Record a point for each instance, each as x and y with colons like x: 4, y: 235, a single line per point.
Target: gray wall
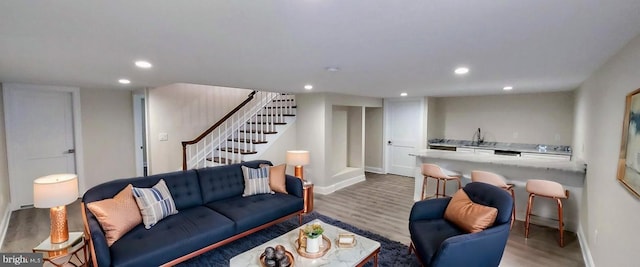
x: 107, y: 135
x: 5, y: 194
x: 373, y: 138
x: 545, y: 118
x: 184, y: 111
x: 609, y: 216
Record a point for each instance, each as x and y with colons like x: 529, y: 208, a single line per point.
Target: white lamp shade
x: 55, y: 190
x: 297, y: 157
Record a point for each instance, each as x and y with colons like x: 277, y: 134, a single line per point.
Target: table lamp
x: 55, y: 192
x: 298, y: 158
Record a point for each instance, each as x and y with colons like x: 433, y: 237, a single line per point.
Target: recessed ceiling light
x: 461, y: 70
x: 332, y: 69
x: 507, y: 88
x: 124, y: 81
x: 143, y: 64
x: 403, y: 94
x: 308, y: 87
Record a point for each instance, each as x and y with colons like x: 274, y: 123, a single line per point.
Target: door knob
x: 389, y: 142
x: 71, y: 151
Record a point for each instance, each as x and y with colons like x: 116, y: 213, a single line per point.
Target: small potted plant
x: 313, y: 232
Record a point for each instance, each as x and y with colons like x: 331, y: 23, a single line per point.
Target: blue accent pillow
x: 155, y: 203
x: 256, y: 181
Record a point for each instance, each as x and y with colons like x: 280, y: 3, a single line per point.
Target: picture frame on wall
x: 629, y: 161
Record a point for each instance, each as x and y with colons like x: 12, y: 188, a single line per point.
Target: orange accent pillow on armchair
x: 468, y: 215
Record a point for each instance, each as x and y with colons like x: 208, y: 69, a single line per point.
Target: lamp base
x: 59, y: 226
x: 297, y: 172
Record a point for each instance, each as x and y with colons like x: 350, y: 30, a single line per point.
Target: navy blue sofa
x: 211, y: 213
x: 438, y: 242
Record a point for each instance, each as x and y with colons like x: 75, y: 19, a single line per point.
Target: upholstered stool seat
x: 548, y: 189
x: 435, y: 172
x: 498, y: 181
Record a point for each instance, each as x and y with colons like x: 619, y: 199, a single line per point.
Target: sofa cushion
x: 253, y: 211
x: 256, y: 181
x: 183, y: 185
x: 470, y: 216
x: 117, y: 215
x: 155, y: 203
x: 171, y: 238
x: 221, y: 182
x: 428, y: 235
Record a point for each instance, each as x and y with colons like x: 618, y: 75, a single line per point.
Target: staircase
x: 243, y: 134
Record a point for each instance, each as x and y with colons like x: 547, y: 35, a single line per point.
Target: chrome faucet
x: 477, y: 137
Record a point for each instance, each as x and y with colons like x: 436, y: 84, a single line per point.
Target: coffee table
x: 364, y: 250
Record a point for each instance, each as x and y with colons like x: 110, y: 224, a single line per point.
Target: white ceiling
x: 382, y: 47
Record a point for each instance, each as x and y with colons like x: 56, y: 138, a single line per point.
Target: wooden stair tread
x: 266, y: 122
x: 237, y: 150
x: 285, y: 115
x: 281, y: 107
x: 258, y: 131
x: 242, y: 140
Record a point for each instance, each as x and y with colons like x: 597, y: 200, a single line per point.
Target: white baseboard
x: 373, y: 170
x: 584, y: 247
x: 4, y: 224
x: 325, y: 190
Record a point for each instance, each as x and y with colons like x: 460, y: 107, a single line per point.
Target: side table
x: 307, y: 193
x: 72, y: 252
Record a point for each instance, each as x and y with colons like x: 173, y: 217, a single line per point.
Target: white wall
x: 315, y: 133
x: 610, y: 221
x: 545, y: 118
x: 435, y: 118
x: 277, y: 151
x: 373, y: 139
x: 107, y: 135
x: 5, y: 194
x: 355, y: 135
x: 339, y: 139
x: 184, y: 111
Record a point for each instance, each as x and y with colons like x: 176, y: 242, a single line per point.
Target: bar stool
x: 435, y: 172
x: 498, y: 181
x: 547, y: 189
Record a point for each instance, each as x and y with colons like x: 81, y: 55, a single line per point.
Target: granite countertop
x: 515, y: 147
x: 571, y: 166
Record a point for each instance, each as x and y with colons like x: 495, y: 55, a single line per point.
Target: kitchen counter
x: 517, y: 170
x: 514, y: 147
x: 569, y: 166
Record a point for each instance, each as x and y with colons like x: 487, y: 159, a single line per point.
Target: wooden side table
x: 72, y: 252
x: 307, y: 193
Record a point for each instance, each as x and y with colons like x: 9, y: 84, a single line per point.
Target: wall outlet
x: 163, y: 136
x: 557, y: 137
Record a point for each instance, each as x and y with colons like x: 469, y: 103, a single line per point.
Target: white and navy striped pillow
x: 256, y: 181
x: 154, y: 203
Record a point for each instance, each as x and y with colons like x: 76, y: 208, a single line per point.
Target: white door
x: 404, y: 133
x: 40, y: 137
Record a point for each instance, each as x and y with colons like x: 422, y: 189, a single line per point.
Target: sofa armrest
x: 485, y: 247
x: 97, y: 239
x: 429, y: 209
x: 294, y: 186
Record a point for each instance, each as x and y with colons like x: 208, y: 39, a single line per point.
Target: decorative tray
x: 263, y: 259
x: 345, y: 238
x: 324, y: 248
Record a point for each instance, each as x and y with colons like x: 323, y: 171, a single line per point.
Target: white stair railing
x: 239, y: 134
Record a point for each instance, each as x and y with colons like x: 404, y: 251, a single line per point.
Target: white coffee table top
x: 336, y: 256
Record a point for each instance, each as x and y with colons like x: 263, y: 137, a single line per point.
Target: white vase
x: 313, y: 244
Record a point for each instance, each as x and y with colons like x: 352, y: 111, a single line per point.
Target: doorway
x: 140, y: 128
x: 404, y: 124
x: 43, y: 136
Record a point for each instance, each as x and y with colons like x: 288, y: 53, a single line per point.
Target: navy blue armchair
x: 438, y: 242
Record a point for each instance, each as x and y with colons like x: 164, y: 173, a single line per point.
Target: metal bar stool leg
x: 513, y: 213
x: 424, y: 186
